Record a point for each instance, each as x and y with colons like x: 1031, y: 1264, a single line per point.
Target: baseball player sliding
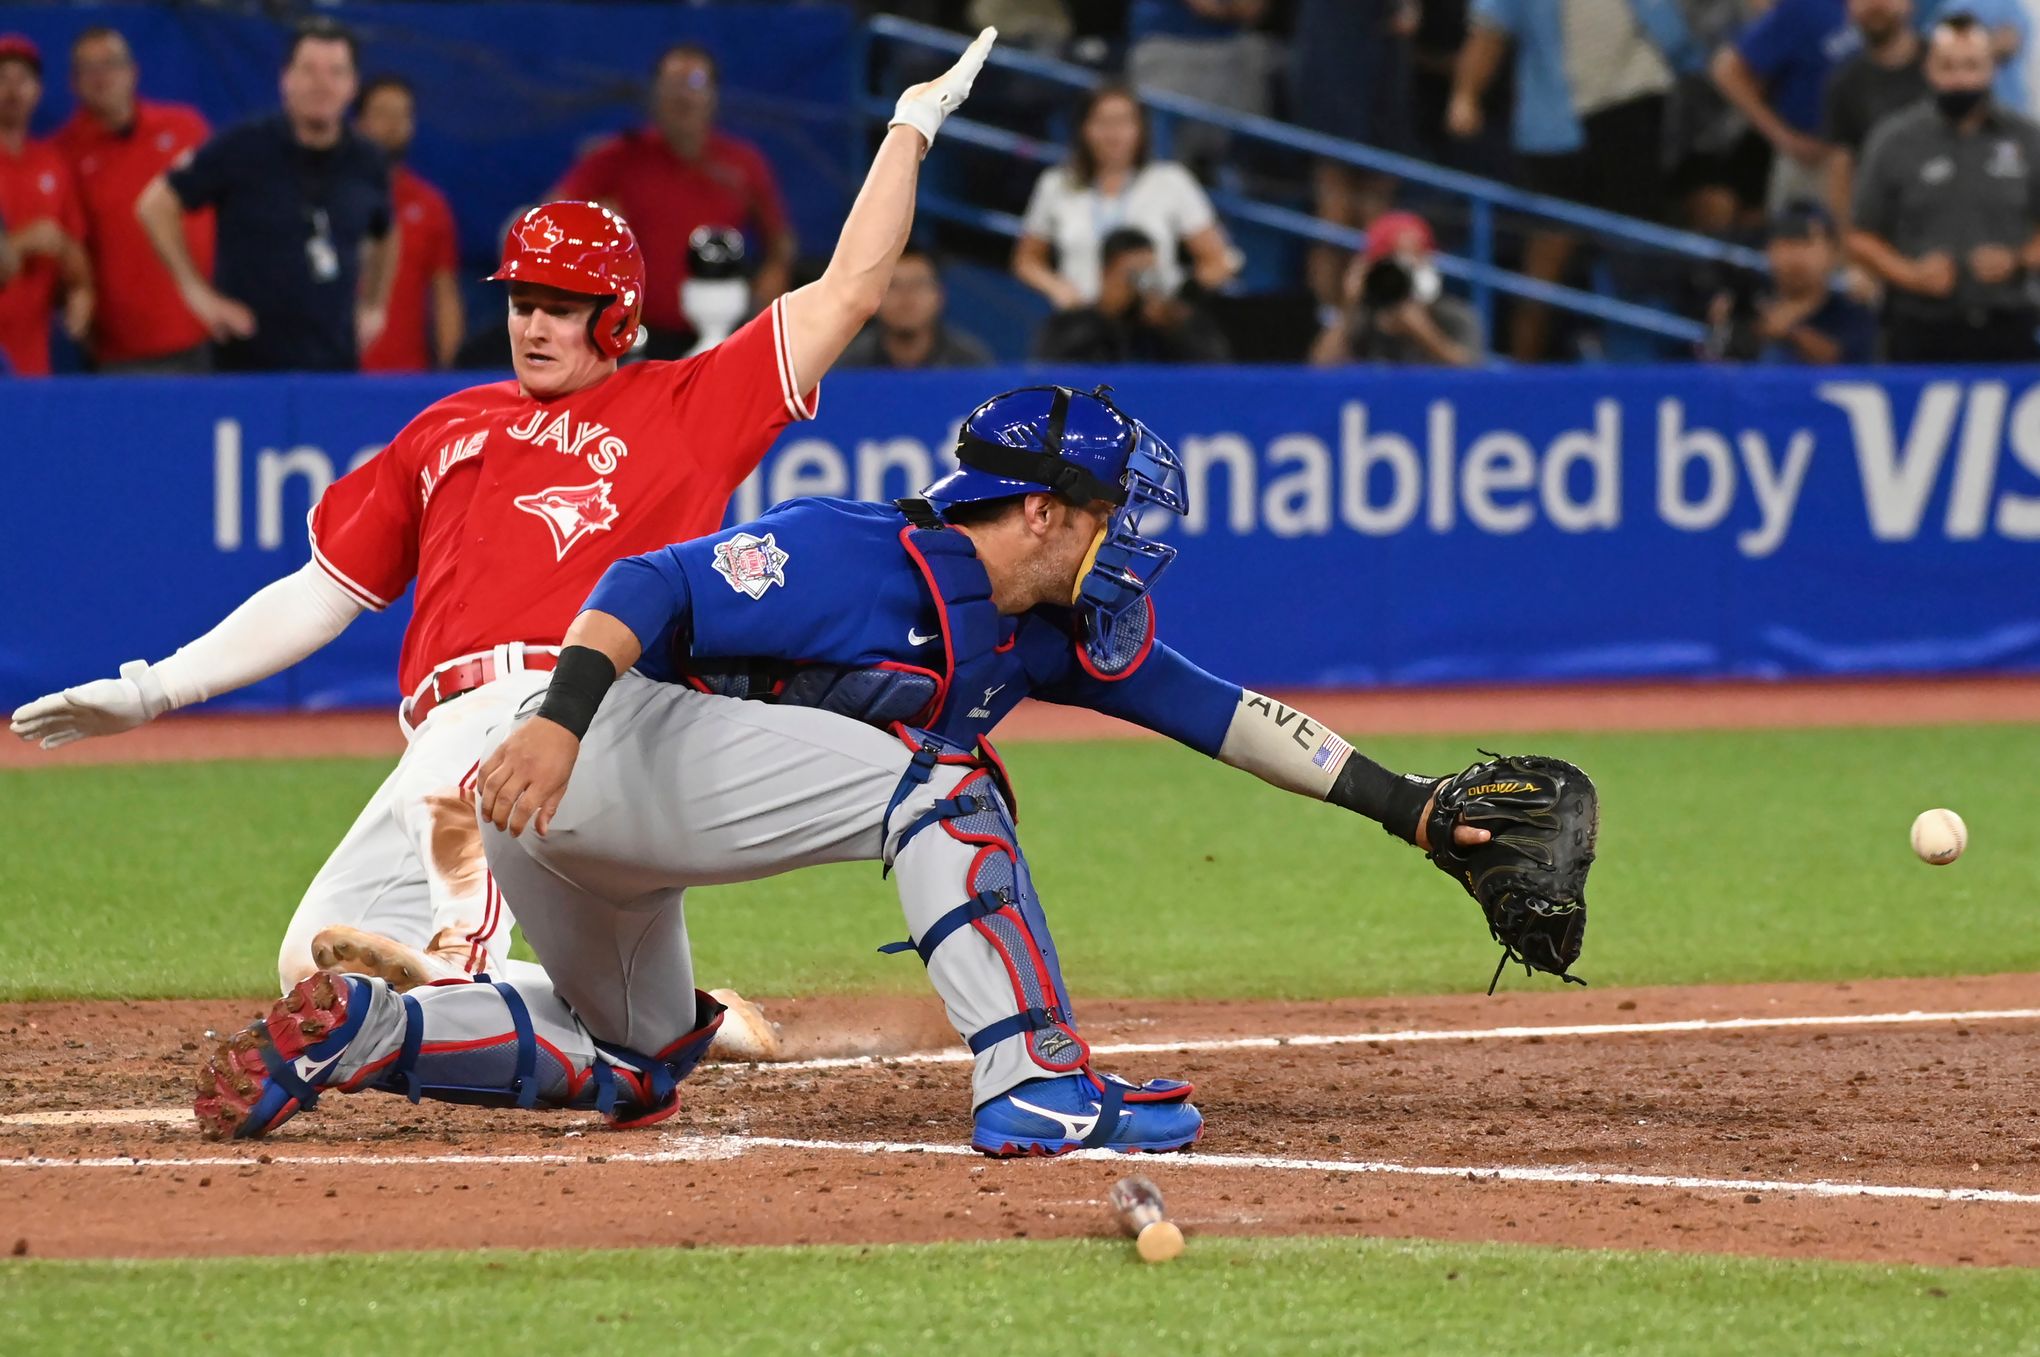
x: 506, y: 502
x: 884, y: 641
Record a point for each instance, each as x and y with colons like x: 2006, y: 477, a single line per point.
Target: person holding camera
x: 1396, y: 309
x: 1800, y: 318
x: 1136, y: 319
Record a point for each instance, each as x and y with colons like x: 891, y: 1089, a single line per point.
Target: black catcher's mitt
x: 1531, y: 877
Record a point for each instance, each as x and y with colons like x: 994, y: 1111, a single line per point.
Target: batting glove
x: 101, y: 707
x: 925, y: 105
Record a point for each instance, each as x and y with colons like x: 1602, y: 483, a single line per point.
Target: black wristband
x: 579, y: 681
x: 1368, y: 789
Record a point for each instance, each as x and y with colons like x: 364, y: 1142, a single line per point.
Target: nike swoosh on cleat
x: 1075, y: 1127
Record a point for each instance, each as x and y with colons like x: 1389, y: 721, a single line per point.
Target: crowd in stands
x: 1881, y: 157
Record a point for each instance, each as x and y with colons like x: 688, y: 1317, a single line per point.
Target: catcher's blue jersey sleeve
x: 810, y: 581
x: 1167, y: 694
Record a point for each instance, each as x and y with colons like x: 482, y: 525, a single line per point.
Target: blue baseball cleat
x: 260, y: 1077
x: 1088, y: 1111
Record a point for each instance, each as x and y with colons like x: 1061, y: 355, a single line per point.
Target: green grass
x: 1724, y: 857
x: 1223, y: 1296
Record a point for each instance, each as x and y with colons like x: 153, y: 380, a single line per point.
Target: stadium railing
x: 1484, y: 198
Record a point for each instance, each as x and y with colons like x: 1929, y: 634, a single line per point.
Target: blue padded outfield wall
x: 1345, y: 528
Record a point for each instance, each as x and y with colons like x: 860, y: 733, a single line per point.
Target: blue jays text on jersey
x: 858, y: 608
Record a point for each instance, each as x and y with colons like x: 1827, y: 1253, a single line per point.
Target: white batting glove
x: 925, y: 105
x: 101, y: 707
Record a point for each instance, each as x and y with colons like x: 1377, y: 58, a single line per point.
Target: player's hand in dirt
x: 522, y: 782
x: 101, y: 707
x: 221, y: 315
x: 1465, y: 835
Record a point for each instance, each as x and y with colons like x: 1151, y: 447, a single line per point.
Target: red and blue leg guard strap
x: 634, y: 1089
x: 524, y: 1087
x: 1001, y: 906
x: 405, y: 1068
x: 283, y: 1073
x: 919, y: 769
x: 979, y: 906
x: 1114, y: 1093
x: 524, y: 1084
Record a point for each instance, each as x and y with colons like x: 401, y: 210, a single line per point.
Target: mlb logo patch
x: 750, y: 563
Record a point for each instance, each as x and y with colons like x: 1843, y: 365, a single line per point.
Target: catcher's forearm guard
x: 1530, y: 878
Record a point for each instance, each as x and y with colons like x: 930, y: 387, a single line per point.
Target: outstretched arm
x: 1280, y: 745
x: 279, y: 625
x: 823, y: 317
x: 1288, y: 749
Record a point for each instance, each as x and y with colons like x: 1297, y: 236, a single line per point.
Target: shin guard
x: 998, y: 903
x: 479, y: 1044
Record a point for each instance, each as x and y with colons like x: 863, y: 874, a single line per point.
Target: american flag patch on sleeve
x: 1330, y: 751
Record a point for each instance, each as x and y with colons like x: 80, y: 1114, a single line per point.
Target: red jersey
x: 34, y: 185
x: 507, y: 509
x: 664, y: 198
x: 139, y: 312
x: 426, y: 247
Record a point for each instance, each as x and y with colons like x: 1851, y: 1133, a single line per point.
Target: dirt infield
x: 1752, y: 1139
x: 1789, y: 1120
x: 1381, y: 711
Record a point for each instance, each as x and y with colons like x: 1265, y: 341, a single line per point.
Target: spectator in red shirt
x: 37, y: 197
x: 425, y: 325
x: 115, y: 143
x: 678, y: 174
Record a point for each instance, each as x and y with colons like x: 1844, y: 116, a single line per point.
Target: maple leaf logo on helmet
x: 538, y: 234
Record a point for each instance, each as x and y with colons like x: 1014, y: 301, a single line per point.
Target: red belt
x: 446, y: 684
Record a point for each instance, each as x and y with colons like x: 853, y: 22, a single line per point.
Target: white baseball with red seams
x: 1939, y: 836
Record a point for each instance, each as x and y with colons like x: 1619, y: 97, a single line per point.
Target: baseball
x: 1159, y: 1242
x: 1939, y: 836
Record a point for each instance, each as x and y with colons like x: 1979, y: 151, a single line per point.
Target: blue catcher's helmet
x: 1083, y: 447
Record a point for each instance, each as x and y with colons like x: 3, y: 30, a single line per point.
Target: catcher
x: 882, y: 642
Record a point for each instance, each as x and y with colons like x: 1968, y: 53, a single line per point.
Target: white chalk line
x: 700, y: 1149
x: 141, y: 1116
x: 1610, y: 1029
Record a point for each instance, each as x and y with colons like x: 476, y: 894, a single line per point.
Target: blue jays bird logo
x: 571, y: 511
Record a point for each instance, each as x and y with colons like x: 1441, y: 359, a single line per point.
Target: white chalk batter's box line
x: 131, y: 1116
x: 1610, y: 1029
x: 707, y: 1149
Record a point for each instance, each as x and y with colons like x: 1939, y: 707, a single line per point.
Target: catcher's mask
x: 1084, y: 448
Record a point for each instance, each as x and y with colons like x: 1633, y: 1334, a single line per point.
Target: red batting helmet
x: 587, y: 249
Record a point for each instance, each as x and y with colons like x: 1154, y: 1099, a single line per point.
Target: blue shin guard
x: 1001, y: 905
x: 520, y: 1068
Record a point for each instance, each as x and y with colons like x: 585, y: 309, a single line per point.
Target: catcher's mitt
x: 1531, y: 877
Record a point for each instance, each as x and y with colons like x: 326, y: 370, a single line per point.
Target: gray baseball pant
x: 676, y: 788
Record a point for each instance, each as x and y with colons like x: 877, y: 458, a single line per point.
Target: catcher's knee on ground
x: 490, y: 1044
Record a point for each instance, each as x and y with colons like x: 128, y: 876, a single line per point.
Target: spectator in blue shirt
x: 1801, y: 319
x: 1591, y: 83
x: 1776, y: 74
